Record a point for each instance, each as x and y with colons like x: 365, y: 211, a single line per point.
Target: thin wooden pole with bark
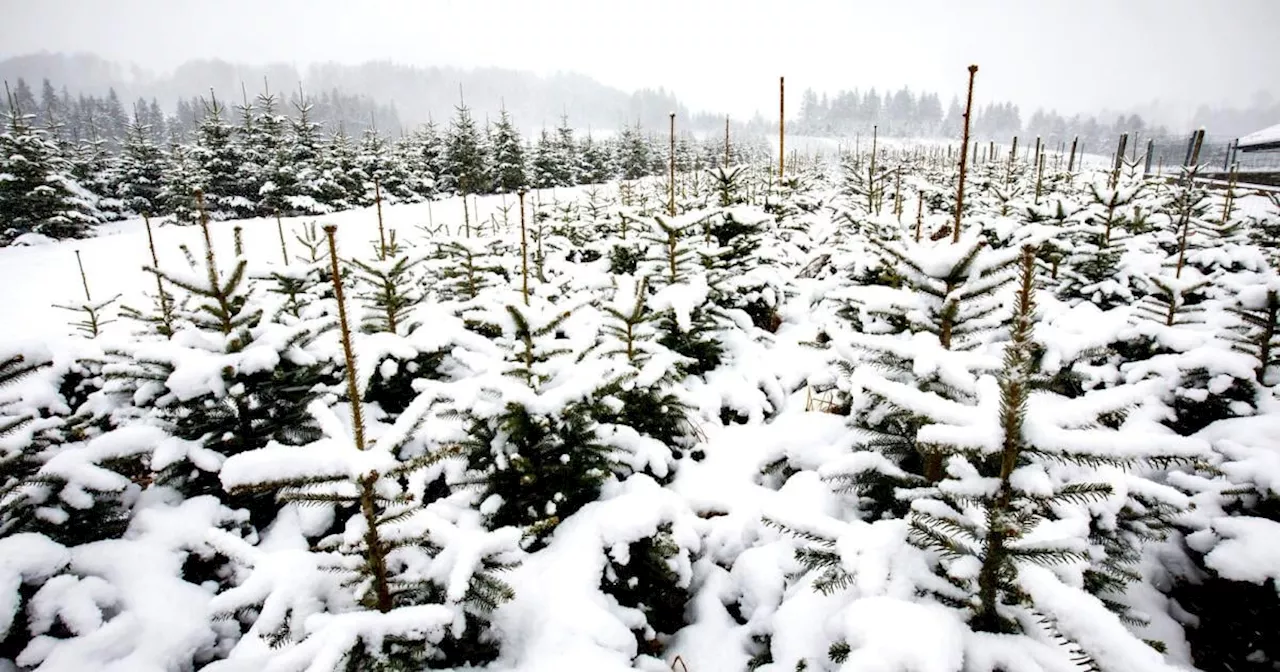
x: 1013, y: 155
x: 671, y: 195
x: 524, y: 253
x: 782, y: 127
x: 348, y: 352
x: 964, y: 151
x: 726, y: 141
x: 284, y: 249
x: 919, y: 214
x: 382, y: 234
x: 166, y: 313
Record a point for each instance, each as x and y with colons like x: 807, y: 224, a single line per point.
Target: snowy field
x: 820, y: 446
x: 115, y: 258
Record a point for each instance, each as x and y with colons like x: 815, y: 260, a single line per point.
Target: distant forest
x: 91, y: 95
x: 392, y: 97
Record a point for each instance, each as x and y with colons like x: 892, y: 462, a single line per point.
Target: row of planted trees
x: 256, y: 160
x: 410, y: 423
x: 1051, y: 387
x: 1023, y: 462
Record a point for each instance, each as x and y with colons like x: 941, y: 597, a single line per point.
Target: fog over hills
x: 409, y: 95
x: 417, y: 93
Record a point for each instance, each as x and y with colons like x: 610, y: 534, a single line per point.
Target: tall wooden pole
x: 873, y: 193
x: 671, y: 198
x: 84, y: 280
x: 382, y: 236
x: 466, y: 217
x: 1115, y: 169
x: 284, y: 249
x: 1013, y: 155
x: 348, y: 352
x: 782, y: 127
x: 165, y: 314
x: 524, y: 253
x: 726, y: 141
x: 1039, y: 176
x: 1197, y: 142
x: 897, y: 195
x: 964, y: 150
x: 919, y: 213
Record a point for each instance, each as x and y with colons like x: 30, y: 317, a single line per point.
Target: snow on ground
x: 33, y: 278
x: 769, y: 469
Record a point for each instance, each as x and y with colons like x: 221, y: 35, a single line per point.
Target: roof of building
x: 1267, y: 138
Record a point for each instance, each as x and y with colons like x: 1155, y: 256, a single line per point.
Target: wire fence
x: 1216, y: 154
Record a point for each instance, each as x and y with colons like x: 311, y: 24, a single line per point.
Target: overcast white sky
x: 1075, y: 55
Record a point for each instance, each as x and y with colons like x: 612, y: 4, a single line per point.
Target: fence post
x: 1151, y: 148
x: 1115, y: 171
x: 1197, y: 142
x: 1191, y: 143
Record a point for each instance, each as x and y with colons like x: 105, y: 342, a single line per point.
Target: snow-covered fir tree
x: 142, y: 170
x: 508, y: 162
x: 345, y: 183
x: 303, y: 163
x: 218, y: 157
x: 276, y: 177
x: 39, y: 194
x: 466, y: 162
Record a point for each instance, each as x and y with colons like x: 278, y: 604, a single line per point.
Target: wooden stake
x: 1013, y: 155
x: 284, y: 249
x: 375, y: 551
x: 1231, y: 194
x: 537, y: 257
x: 382, y: 235
x: 897, y: 195
x: 348, y: 353
x: 1119, y: 160
x: 782, y: 127
x: 209, y: 259
x: 1195, y: 150
x: 964, y: 149
x: 726, y: 141
x: 524, y: 253
x: 919, y: 214
x: 671, y: 197
x: 84, y: 279
x: 873, y: 200
x: 466, y: 217
x: 1039, y: 176
x: 165, y: 313
x: 875, y: 140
